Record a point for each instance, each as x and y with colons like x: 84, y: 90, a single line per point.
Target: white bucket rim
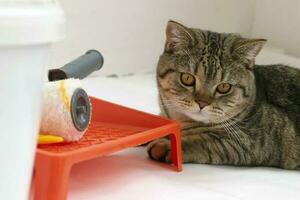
x: 31, y: 24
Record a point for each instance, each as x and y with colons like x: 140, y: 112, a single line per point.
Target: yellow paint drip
x: 49, y: 139
x: 64, y: 95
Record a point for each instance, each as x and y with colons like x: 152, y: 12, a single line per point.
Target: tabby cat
x: 231, y: 111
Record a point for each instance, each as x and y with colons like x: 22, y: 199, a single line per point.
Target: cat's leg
x: 206, y: 148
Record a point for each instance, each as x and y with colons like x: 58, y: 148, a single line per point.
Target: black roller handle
x: 79, y: 68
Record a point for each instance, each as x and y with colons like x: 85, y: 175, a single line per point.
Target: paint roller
x: 66, y: 111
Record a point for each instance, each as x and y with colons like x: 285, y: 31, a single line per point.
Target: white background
x: 130, y: 33
x: 279, y: 22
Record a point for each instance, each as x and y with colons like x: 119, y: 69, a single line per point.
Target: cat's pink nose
x: 202, y: 104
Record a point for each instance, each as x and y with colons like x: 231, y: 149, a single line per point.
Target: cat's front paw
x: 160, y: 150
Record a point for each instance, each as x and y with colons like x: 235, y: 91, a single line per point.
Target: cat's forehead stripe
x: 213, y: 53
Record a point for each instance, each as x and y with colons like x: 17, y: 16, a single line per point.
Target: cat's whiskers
x: 230, y: 127
x: 236, y: 132
x: 235, y: 122
x: 230, y: 132
x: 233, y: 119
x: 241, y: 124
x: 174, y: 103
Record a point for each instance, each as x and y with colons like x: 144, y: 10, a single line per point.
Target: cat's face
x: 206, y: 76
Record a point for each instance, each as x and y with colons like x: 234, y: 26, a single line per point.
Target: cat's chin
x: 198, y: 116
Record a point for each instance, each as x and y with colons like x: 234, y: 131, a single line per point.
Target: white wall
x: 279, y: 22
x: 130, y: 33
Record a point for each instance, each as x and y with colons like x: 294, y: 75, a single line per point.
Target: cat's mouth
x: 198, y: 115
x: 210, y: 117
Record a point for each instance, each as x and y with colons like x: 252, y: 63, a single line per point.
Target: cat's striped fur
x: 257, y: 123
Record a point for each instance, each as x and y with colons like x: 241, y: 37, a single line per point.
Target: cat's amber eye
x: 224, y: 88
x: 187, y: 79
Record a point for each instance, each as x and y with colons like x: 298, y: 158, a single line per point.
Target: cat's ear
x: 248, y: 48
x: 177, y: 37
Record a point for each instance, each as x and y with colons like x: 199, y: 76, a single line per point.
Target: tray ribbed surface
x: 97, y: 134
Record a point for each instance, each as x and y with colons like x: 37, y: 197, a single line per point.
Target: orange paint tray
x: 112, y: 129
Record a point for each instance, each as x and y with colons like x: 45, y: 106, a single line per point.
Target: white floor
x: 131, y: 175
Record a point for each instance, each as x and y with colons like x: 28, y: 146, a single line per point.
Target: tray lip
x: 134, y: 109
x: 171, y: 124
